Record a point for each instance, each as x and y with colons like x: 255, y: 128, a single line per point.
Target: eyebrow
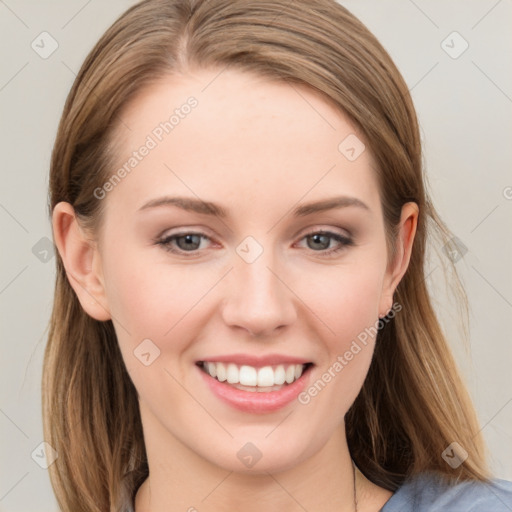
x: 209, y: 208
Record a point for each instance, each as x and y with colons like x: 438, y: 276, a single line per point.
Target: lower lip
x: 254, y: 401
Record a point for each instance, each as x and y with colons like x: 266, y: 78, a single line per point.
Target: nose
x: 258, y: 298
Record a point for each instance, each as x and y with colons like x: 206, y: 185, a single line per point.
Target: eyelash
x: 343, y: 240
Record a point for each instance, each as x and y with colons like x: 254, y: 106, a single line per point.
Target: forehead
x: 236, y: 101
x: 230, y: 132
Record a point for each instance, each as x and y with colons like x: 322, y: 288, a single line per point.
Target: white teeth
x: 233, y: 375
x: 265, y: 377
x: 279, y: 375
x: 212, y: 369
x: 290, y: 374
x: 218, y: 368
x: 248, y: 376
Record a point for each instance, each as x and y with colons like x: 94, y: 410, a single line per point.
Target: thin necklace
x: 355, y: 495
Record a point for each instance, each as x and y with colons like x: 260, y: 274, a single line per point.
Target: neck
x: 180, y: 479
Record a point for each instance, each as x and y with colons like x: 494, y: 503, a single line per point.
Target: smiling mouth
x: 250, y: 378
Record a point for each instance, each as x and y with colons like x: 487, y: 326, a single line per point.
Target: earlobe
x: 81, y: 260
x: 398, y: 267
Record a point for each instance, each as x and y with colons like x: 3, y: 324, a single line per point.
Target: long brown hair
x: 413, y: 403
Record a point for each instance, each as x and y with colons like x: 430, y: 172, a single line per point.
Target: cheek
x: 157, y: 310
x: 346, y: 302
x: 146, y: 293
x: 345, y: 299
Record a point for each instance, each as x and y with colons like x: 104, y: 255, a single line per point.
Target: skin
x: 258, y: 148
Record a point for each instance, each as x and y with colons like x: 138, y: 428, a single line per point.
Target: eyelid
x: 184, y: 230
x: 325, y: 228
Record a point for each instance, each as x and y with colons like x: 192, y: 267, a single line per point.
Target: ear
x: 81, y: 260
x: 397, y: 268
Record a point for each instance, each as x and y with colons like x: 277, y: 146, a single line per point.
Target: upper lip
x: 256, y: 361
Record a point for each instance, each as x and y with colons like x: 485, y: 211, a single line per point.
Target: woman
x: 241, y: 317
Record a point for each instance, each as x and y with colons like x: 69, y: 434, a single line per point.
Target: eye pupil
x: 189, y: 239
x: 316, y: 239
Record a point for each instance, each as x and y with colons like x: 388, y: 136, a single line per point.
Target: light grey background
x: 464, y: 106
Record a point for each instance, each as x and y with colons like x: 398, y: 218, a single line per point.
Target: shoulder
x: 429, y: 492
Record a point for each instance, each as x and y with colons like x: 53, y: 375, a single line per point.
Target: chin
x: 261, y: 455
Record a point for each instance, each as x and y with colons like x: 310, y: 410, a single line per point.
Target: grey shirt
x: 427, y: 492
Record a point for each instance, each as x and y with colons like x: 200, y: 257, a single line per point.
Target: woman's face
x: 253, y: 286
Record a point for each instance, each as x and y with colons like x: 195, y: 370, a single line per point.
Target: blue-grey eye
x: 320, y: 241
x: 191, y: 242
x: 185, y: 242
